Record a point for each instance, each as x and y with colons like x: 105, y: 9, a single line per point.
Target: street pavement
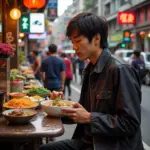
x: 145, y: 109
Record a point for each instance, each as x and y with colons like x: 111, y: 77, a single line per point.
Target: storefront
x: 114, y: 40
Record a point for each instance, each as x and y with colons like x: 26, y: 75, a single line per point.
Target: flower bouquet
x: 6, y: 50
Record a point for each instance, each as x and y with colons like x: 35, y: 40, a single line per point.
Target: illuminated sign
x: 37, y: 36
x: 37, y: 23
x: 126, y: 18
x: 24, y: 23
x: 52, y: 3
x: 32, y: 23
x: 126, y: 36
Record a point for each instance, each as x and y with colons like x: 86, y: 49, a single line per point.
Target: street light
x: 15, y: 13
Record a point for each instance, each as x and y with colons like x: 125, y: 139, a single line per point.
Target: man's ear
x: 97, y: 39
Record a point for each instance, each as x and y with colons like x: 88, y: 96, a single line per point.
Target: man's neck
x: 54, y: 54
x: 95, y: 56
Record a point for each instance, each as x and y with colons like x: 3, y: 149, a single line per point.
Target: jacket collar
x: 103, y: 58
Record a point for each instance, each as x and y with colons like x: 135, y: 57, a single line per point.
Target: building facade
x: 140, y: 29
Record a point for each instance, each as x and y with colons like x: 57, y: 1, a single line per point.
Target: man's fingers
x: 77, y: 105
x: 68, y: 110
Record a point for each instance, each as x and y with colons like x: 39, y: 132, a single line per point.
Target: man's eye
x: 77, y: 41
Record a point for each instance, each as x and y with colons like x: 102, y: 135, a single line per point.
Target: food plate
x: 17, y: 95
x: 19, y: 116
x: 22, y: 103
x: 37, y: 98
x: 54, y: 110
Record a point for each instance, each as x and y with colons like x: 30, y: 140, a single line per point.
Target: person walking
x: 139, y: 64
x: 53, y: 70
x: 69, y: 74
x: 81, y: 68
x: 108, y: 114
x: 36, y: 65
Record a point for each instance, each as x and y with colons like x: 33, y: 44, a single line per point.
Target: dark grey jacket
x: 115, y: 105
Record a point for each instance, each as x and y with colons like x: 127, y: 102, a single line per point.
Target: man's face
x: 84, y: 49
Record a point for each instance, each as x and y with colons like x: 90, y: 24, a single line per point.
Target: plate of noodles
x: 20, y: 103
x: 53, y: 107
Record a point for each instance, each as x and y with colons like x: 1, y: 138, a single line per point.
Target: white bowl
x: 54, y: 111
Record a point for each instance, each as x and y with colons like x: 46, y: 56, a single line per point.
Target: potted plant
x: 6, y: 50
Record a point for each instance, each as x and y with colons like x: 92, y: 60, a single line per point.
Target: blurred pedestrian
x: 69, y: 74
x: 81, y: 68
x: 53, y: 70
x: 30, y: 58
x: 139, y: 64
x: 108, y: 115
x: 36, y: 64
x: 74, y: 65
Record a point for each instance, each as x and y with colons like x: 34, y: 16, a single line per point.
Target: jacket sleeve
x: 127, y: 118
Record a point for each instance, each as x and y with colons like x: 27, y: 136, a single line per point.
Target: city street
x: 145, y: 107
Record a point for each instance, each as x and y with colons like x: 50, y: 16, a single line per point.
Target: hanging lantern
x: 34, y: 4
x: 142, y: 34
x: 133, y: 36
x: 15, y: 13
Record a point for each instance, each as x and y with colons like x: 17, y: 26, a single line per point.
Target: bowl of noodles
x: 19, y: 116
x: 21, y: 103
x: 53, y: 107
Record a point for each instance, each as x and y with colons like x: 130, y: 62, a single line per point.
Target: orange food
x: 28, y: 71
x: 17, y: 94
x: 20, y: 103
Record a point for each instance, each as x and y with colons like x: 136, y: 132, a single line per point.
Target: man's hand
x: 55, y: 94
x: 78, y: 114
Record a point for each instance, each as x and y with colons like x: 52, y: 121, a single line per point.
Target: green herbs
x: 38, y: 91
x: 56, y: 101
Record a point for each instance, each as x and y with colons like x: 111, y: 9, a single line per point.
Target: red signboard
x: 126, y: 18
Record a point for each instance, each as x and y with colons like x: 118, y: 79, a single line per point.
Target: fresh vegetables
x: 15, y: 76
x: 38, y: 91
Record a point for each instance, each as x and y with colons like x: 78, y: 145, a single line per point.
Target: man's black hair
x: 52, y: 48
x: 88, y: 25
x: 35, y: 52
x: 63, y: 55
x: 137, y: 53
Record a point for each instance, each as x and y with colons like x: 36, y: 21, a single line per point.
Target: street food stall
x: 24, y: 118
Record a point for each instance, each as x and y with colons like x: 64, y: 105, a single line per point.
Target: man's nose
x: 74, y: 47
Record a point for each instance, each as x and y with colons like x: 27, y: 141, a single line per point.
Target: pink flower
x: 6, y: 49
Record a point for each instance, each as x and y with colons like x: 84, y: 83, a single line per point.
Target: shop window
x: 107, y: 9
x: 123, y: 2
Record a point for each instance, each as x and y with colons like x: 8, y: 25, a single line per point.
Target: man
x: 108, y: 115
x: 54, y: 69
x: 36, y: 64
x: 139, y: 64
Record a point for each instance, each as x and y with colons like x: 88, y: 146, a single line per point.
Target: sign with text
x: 126, y: 36
x: 37, y: 36
x: 126, y: 18
x: 25, y: 23
x: 52, y: 3
x: 37, y: 23
x: 32, y: 23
